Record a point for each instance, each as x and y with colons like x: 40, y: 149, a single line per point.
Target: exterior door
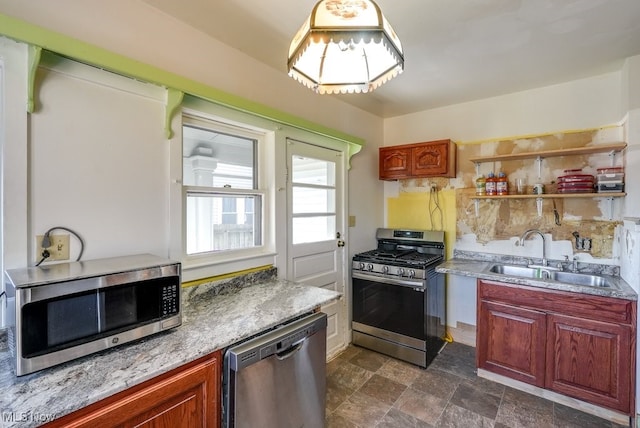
x: 316, y: 253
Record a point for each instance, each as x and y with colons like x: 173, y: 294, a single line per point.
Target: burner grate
x: 407, y: 258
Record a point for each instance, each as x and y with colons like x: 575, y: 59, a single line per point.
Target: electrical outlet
x: 58, y: 250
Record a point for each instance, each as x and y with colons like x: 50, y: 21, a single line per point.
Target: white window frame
x: 210, y: 116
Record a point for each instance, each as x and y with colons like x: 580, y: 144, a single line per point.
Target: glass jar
x: 481, y: 186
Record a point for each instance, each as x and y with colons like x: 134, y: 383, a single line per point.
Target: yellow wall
x: 417, y: 210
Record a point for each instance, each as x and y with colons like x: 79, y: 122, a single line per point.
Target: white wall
x: 631, y: 104
x: 99, y: 162
x: 580, y: 104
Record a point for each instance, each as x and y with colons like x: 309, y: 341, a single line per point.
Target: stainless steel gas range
x: 398, y: 297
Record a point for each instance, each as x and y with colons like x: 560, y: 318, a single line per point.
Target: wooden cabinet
x: 579, y: 345
x: 514, y: 342
x: 395, y: 163
x: 188, y: 396
x: 429, y: 159
x: 590, y: 360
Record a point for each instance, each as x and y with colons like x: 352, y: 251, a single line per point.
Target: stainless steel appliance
x: 398, y: 297
x: 69, y: 310
x: 278, y: 379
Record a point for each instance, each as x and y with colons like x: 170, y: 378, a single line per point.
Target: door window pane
x: 312, y: 200
x: 313, y: 229
x: 313, y: 171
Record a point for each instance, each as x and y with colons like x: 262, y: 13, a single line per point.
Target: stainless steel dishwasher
x: 278, y: 379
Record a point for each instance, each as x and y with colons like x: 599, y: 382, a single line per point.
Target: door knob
x: 341, y: 243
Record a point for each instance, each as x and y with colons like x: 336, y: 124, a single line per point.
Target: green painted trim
x: 353, y: 149
x: 174, y: 99
x: 84, y: 52
x: 35, y: 54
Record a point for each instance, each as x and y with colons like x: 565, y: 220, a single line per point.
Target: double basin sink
x: 572, y: 278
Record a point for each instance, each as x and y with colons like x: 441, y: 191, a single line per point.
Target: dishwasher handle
x: 292, y: 350
x: 282, y: 342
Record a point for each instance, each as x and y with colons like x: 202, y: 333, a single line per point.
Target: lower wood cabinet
x: 579, y: 345
x: 590, y: 360
x: 513, y: 342
x: 186, y: 397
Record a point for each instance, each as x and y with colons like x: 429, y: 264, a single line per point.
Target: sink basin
x: 564, y: 277
x: 515, y: 271
x: 580, y: 279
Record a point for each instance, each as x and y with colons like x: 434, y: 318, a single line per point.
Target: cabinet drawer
x: 588, y: 306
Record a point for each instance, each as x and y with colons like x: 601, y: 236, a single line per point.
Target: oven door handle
x: 389, y: 281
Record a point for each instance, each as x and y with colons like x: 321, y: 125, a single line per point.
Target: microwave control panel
x: 170, y: 299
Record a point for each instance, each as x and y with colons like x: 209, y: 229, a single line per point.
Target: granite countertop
x: 479, y: 267
x: 214, y: 317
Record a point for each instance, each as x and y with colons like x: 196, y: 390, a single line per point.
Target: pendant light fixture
x: 345, y: 46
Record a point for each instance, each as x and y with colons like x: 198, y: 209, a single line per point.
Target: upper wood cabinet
x: 429, y: 159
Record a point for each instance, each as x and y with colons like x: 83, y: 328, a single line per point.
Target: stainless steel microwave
x: 69, y: 310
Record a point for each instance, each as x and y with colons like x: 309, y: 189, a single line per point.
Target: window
x: 223, y: 204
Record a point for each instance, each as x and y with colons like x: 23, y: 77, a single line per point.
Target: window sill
x: 196, y: 269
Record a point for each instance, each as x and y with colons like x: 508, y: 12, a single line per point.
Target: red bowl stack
x: 575, y: 182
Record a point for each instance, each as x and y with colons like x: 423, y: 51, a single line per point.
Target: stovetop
x: 408, y: 265
x: 398, y: 258
x: 402, y: 253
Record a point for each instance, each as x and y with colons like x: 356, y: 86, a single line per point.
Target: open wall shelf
x: 557, y: 196
x: 587, y: 150
x: 612, y: 149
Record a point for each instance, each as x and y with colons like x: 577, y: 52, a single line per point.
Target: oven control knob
x: 369, y: 267
x: 361, y: 266
x: 412, y: 273
x: 385, y: 269
x: 401, y: 271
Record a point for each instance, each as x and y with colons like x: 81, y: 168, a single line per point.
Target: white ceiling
x: 455, y: 50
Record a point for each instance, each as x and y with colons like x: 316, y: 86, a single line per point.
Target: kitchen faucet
x: 529, y: 232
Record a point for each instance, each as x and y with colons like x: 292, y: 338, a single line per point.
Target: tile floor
x: 367, y: 389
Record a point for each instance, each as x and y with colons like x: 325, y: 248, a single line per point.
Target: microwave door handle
x: 57, y: 289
